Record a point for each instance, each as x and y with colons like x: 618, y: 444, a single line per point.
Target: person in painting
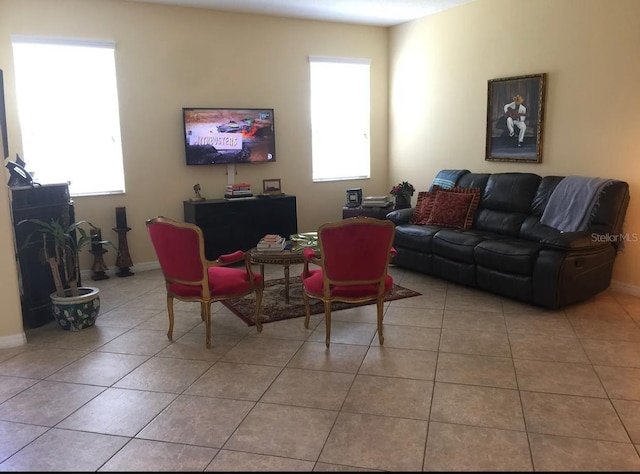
x: 516, y: 113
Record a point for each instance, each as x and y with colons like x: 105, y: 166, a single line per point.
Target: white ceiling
x: 366, y: 12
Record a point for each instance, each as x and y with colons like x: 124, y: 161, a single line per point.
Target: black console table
x: 238, y: 224
x: 44, y: 202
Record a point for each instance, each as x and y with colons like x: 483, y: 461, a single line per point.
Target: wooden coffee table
x: 284, y: 257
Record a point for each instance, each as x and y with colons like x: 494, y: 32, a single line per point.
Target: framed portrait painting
x: 515, y: 118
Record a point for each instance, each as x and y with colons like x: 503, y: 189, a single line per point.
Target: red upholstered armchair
x: 354, y: 255
x: 189, y: 276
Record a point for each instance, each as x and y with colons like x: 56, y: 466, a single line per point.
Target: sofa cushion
x: 455, y: 208
x: 415, y: 237
x: 506, y: 202
x: 510, y: 192
x: 473, y: 180
x: 507, y: 223
x: 454, y: 244
x: 515, y: 256
x: 546, y: 187
x: 424, y: 205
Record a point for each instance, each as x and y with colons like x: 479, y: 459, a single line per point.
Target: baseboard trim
x: 143, y: 267
x: 15, y: 340
x: 625, y: 288
x: 139, y: 267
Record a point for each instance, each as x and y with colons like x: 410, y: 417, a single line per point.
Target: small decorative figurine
x: 198, y: 196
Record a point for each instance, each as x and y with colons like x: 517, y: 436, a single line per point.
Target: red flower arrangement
x: 403, y: 189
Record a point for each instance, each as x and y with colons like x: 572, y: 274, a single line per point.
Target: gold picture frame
x: 272, y: 187
x: 515, y: 118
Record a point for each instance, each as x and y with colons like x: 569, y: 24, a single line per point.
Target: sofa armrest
x: 585, y: 240
x: 400, y: 216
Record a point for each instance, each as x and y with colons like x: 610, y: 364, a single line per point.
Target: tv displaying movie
x: 221, y: 136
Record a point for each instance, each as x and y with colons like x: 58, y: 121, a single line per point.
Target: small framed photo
x: 271, y: 186
x: 354, y: 197
x: 515, y: 113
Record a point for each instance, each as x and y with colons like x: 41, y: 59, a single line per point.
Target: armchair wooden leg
x: 170, y: 312
x: 258, y: 306
x: 380, y: 305
x: 206, y: 315
x: 327, y: 319
x: 307, y: 309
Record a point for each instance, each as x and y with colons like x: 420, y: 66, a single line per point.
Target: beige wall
x: 11, y: 333
x: 171, y: 57
x: 434, y: 69
x: 440, y: 65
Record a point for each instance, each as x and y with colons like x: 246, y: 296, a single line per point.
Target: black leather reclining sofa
x: 508, y: 251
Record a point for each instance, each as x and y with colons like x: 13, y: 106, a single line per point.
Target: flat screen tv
x: 223, y: 136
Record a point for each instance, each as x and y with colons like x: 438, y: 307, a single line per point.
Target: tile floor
x: 465, y: 381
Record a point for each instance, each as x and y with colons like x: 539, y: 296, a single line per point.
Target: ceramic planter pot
x: 402, y: 201
x: 75, y: 313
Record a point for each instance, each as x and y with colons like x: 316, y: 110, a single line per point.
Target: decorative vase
x: 74, y: 313
x: 403, y: 201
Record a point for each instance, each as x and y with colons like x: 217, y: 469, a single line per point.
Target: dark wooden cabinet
x: 238, y: 224
x: 44, y: 202
x: 377, y: 212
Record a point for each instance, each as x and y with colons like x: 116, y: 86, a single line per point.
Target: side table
x: 282, y: 257
x: 377, y: 212
x: 292, y: 254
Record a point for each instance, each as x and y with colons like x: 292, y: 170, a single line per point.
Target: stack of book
x: 238, y: 190
x: 271, y: 242
x: 376, y: 201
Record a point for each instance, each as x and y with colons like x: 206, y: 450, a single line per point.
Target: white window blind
x: 340, y: 118
x: 69, y: 116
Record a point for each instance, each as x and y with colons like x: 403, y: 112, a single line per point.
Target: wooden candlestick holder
x: 99, y: 268
x: 123, y: 261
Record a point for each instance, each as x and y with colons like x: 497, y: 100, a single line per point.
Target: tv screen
x: 222, y: 136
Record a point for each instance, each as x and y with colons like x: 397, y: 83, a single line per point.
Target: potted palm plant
x: 74, y: 307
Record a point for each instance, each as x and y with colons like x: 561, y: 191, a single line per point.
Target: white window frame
x: 69, y: 113
x: 340, y: 90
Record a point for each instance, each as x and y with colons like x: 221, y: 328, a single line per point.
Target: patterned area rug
x: 274, y: 307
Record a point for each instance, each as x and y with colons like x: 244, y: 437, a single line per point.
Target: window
x: 68, y: 108
x: 340, y: 119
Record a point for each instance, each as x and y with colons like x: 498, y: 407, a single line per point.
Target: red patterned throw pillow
x: 423, y: 207
x: 455, y: 208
